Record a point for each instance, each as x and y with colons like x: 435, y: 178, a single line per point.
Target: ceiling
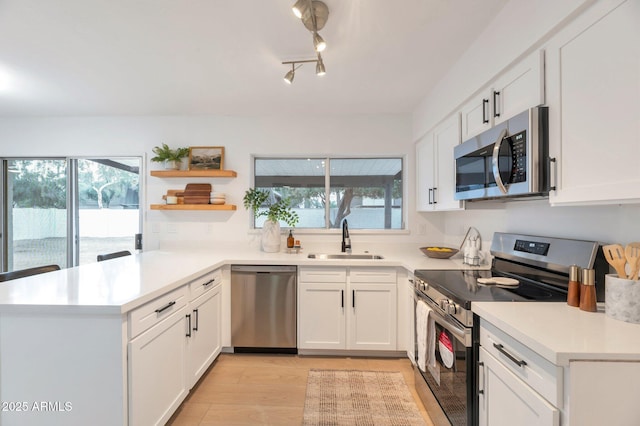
x: 192, y: 57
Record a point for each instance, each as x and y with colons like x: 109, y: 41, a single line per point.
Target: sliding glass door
x: 108, y: 211
x: 35, y: 213
x: 66, y: 211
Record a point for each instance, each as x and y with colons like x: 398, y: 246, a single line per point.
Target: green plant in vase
x: 276, y: 211
x: 171, y: 158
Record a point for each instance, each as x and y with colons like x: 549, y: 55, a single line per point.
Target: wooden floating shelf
x: 227, y: 207
x: 194, y: 173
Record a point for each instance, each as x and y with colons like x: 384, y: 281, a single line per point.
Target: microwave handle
x: 494, y: 161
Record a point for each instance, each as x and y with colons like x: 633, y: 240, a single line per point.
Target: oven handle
x: 460, y: 333
x: 495, y: 163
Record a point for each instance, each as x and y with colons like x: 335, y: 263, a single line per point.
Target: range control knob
x: 452, y: 309
x: 443, y: 304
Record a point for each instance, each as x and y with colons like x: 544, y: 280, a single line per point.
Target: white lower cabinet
x: 157, y: 380
x: 204, y: 342
x: 518, y: 386
x: 347, y: 308
x: 173, y: 340
x: 515, y: 383
x: 506, y: 399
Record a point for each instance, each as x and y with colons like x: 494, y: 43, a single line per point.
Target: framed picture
x: 206, y: 158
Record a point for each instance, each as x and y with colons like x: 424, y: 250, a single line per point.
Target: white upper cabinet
x: 593, y: 84
x: 436, y: 167
x: 517, y: 89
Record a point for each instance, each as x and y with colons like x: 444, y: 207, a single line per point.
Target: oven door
x: 452, y: 379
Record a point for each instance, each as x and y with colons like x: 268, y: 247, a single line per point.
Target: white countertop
x: 561, y: 333
x: 116, y: 286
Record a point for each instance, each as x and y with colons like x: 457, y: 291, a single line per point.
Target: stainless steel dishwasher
x: 263, y: 308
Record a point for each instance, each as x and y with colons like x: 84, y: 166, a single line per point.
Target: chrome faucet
x: 346, y: 241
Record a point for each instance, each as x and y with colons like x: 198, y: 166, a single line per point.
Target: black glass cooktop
x: 463, y: 288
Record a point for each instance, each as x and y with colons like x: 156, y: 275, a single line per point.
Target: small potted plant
x: 171, y: 158
x: 276, y: 211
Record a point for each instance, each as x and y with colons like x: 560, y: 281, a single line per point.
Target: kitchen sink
x: 345, y: 256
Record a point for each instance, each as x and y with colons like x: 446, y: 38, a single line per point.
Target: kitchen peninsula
x: 70, y: 337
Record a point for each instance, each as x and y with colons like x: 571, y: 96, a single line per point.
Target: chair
x: 13, y: 275
x: 108, y: 256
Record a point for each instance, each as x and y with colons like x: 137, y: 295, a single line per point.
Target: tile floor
x: 250, y: 389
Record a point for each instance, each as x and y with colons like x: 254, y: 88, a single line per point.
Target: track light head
x: 288, y: 77
x: 318, y: 42
x: 320, y: 70
x: 300, y: 7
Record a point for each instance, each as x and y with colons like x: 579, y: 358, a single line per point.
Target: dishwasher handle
x: 264, y: 269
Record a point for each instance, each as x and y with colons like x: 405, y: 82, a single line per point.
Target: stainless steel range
x: 524, y: 268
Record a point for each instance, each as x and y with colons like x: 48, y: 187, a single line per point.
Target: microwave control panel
x: 518, y: 144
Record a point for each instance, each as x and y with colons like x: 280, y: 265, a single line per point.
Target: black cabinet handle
x: 165, y: 307
x: 189, y: 325
x: 430, y: 195
x: 208, y: 282
x: 435, y: 198
x: 485, y: 104
x: 353, y: 299
x: 496, y: 113
x: 516, y: 361
x: 195, y: 320
x: 342, y: 298
x: 480, y: 369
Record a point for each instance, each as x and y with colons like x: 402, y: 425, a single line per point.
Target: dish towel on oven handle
x: 425, y: 336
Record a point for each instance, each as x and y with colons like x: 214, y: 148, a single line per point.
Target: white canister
x: 171, y: 199
x: 622, y: 299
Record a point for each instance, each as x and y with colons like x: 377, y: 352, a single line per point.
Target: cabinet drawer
x: 372, y: 275
x: 539, y: 373
x: 201, y: 285
x: 323, y: 275
x: 151, y: 313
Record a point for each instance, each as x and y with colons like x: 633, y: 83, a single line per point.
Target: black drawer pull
x: 195, y: 320
x: 209, y: 282
x: 188, y: 325
x: 342, y: 298
x: 353, y: 299
x: 165, y: 307
x: 516, y: 361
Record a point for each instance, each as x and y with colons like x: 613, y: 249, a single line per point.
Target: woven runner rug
x: 349, y: 397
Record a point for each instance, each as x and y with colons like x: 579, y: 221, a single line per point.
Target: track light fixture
x: 314, y: 15
x: 320, y: 70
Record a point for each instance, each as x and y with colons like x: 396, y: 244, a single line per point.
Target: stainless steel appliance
x: 540, y: 267
x: 509, y: 160
x: 263, y: 308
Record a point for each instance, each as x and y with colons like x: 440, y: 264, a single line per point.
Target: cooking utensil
x: 632, y: 253
x: 614, y: 253
x: 500, y: 281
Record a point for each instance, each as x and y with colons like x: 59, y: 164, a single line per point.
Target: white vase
x: 172, y: 164
x: 271, y: 236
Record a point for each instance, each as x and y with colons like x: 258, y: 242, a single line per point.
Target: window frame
x: 327, y: 182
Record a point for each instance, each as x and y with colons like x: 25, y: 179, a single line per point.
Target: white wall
x: 521, y: 27
x: 241, y: 137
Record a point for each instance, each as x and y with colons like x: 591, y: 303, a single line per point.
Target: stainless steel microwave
x: 509, y: 160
